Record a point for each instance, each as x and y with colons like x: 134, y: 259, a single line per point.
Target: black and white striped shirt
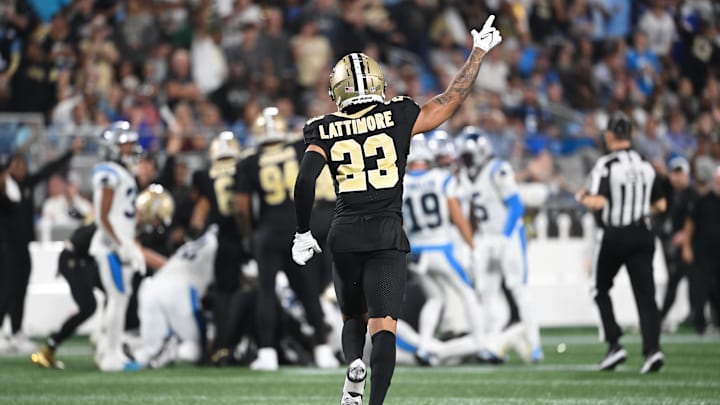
x: 630, y: 186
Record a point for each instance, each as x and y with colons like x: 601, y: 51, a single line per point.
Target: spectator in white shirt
x: 65, y: 207
x: 659, y: 26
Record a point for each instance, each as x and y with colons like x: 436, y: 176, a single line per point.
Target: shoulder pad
x: 310, y: 131
x: 247, y: 152
x: 313, y: 119
x: 400, y: 99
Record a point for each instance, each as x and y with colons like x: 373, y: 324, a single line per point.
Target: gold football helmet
x: 356, y: 79
x: 154, y: 203
x: 224, y: 146
x: 269, y: 126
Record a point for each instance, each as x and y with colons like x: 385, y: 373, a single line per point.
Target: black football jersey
x: 81, y: 238
x: 269, y: 175
x: 366, y: 153
x: 217, y: 184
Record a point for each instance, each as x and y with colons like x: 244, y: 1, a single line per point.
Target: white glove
x: 131, y: 256
x: 125, y: 253
x: 488, y: 37
x: 304, y: 247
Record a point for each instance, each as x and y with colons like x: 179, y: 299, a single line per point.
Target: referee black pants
x: 634, y: 247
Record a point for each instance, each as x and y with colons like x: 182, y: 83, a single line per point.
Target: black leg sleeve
x: 382, y: 365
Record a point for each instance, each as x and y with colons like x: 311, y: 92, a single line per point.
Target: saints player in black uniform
x: 80, y: 270
x: 216, y: 206
x: 365, y: 145
x: 269, y: 175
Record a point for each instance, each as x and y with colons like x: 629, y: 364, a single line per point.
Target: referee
x: 624, y: 191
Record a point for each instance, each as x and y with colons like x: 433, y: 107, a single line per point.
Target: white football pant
x: 116, y: 279
x: 498, y: 257
x: 169, y: 305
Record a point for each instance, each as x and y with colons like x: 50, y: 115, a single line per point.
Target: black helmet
x: 620, y: 124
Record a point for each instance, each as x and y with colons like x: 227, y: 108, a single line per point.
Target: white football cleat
x: 354, y: 387
x: 113, y: 362
x: 348, y: 399
x: 325, y: 358
x: 267, y: 360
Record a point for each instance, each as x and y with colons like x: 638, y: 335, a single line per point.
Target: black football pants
x: 272, y: 254
x: 705, y: 282
x: 634, y: 247
x: 17, y: 276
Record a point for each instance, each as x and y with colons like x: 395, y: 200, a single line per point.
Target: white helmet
x: 419, y: 150
x: 442, y: 147
x: 119, y: 133
x: 474, y: 147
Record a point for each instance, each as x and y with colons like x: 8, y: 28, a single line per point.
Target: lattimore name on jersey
x: 357, y: 126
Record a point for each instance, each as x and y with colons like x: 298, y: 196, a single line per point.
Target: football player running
x: 216, y: 205
x: 441, y: 258
x: 170, y: 300
x: 80, y: 271
x: 269, y: 174
x: 113, y: 244
x: 500, y: 244
x: 366, y: 144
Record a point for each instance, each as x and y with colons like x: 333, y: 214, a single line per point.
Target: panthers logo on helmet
x: 356, y: 79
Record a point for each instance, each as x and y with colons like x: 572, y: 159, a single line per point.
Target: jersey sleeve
x: 599, y: 180
x: 311, y: 133
x: 504, y: 178
x: 658, y: 191
x: 105, y: 176
x: 452, y: 187
x: 408, y: 109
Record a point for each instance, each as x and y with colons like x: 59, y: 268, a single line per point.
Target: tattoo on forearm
x: 463, y: 81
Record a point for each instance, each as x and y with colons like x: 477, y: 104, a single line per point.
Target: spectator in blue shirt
x: 643, y: 63
x: 617, y: 18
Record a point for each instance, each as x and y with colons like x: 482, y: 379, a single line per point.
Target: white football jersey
x: 425, y: 208
x: 488, y: 193
x: 122, y: 212
x: 193, y: 262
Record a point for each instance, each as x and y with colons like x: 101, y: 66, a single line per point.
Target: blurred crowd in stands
x: 181, y: 71
x: 191, y: 68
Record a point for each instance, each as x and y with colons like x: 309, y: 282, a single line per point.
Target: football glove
x: 488, y: 37
x: 125, y: 253
x: 304, y: 247
x: 130, y: 255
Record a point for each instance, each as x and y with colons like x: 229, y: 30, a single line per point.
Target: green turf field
x: 691, y: 376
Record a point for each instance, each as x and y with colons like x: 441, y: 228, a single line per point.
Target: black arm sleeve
x: 657, y: 190
x: 49, y: 169
x: 167, y: 175
x: 310, y: 168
